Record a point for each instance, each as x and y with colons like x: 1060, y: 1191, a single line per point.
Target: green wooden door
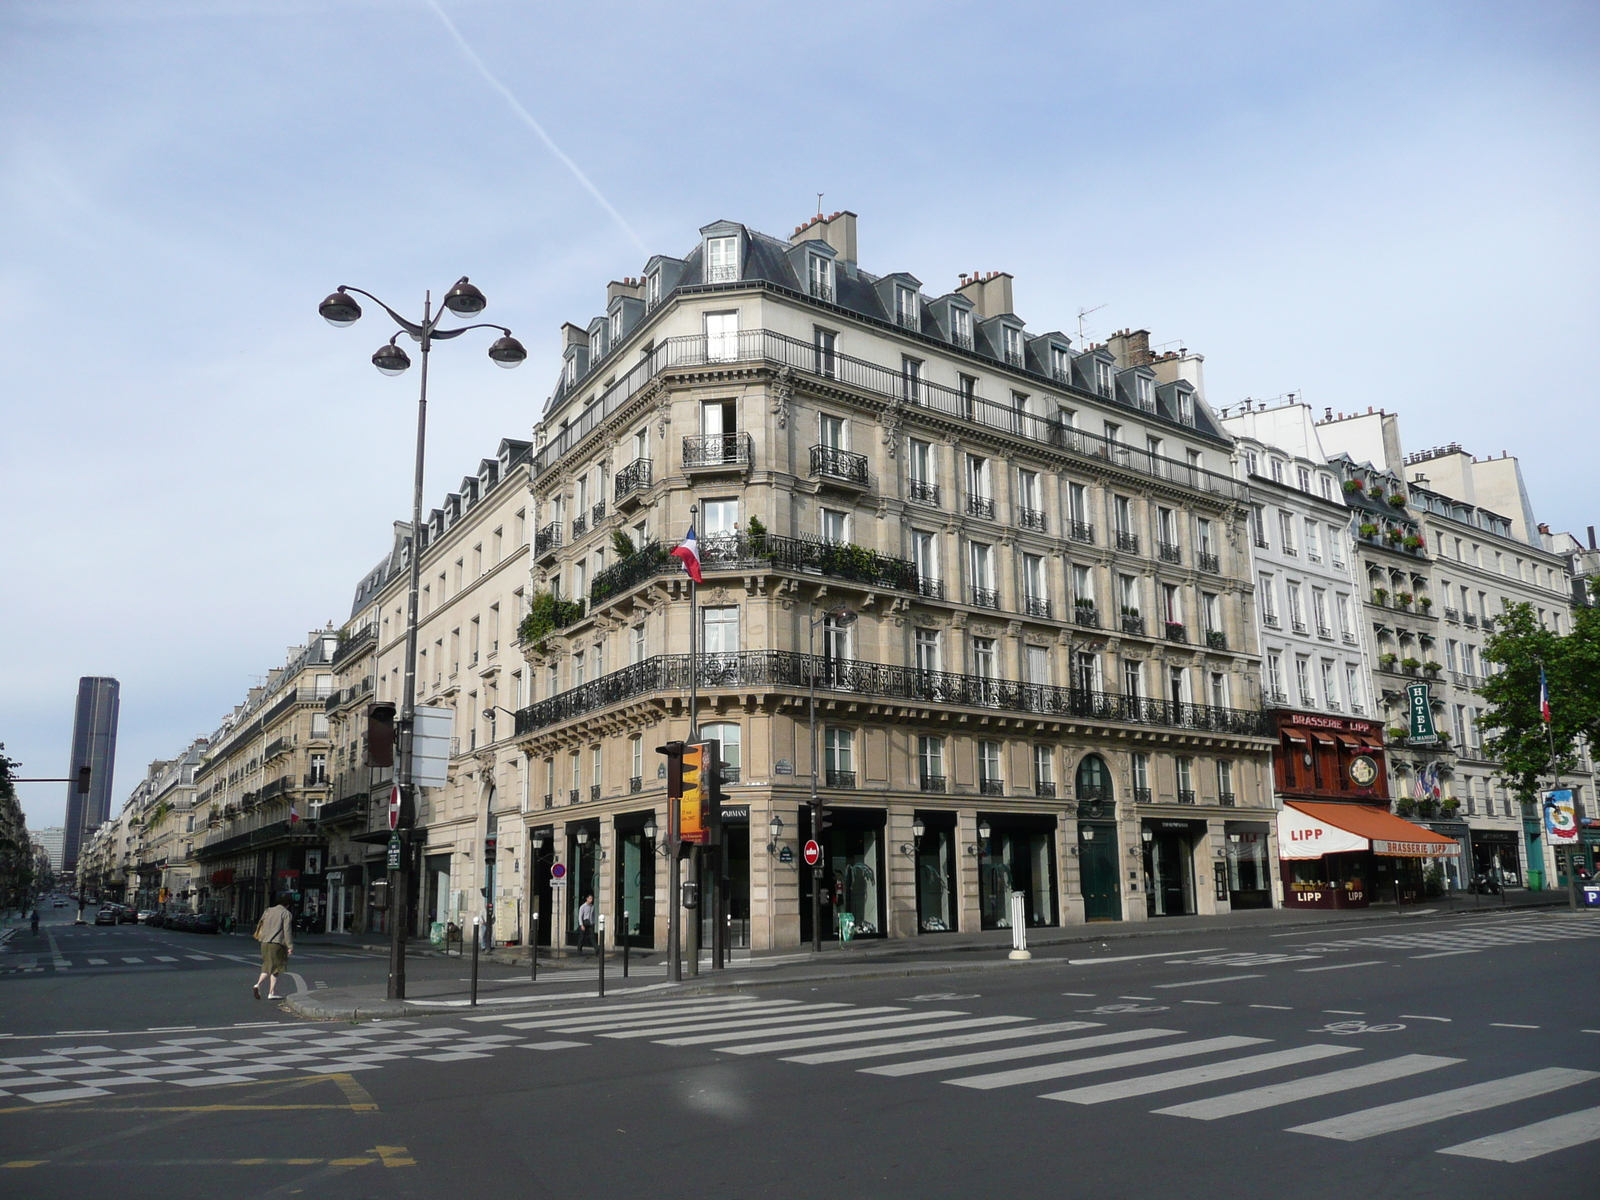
x: 1097, y: 865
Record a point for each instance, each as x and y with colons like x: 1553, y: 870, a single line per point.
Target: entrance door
x: 1097, y: 867
x: 539, y: 902
x: 1169, y: 875
x: 636, y: 887
x: 852, y: 880
x: 936, y: 874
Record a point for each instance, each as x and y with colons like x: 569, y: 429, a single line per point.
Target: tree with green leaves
x: 1525, y: 746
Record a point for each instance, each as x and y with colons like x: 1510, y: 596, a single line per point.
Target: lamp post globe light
x: 341, y: 309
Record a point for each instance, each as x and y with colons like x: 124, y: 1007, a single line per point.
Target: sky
x: 1385, y: 204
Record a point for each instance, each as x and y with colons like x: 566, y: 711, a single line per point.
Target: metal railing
x: 1081, y: 531
x: 636, y: 783
x: 833, y: 463
x: 1270, y: 620
x: 991, y: 787
x: 1176, y: 632
x: 1044, y: 788
x: 923, y: 492
x: 580, y: 526
x: 356, y: 642
x: 933, y: 589
x: 1185, y: 796
x: 1132, y: 623
x: 1086, y: 615
x: 932, y: 783
x: 1127, y: 541
x: 1209, y: 562
x: 716, y: 450
x: 985, y: 597
x: 1141, y: 795
x: 980, y: 506
x: 547, y: 539
x: 1216, y: 639
x: 1030, y: 518
x: 1226, y: 799
x: 634, y: 477
x: 742, y: 551
x: 839, y: 779
x: 1169, y: 552
x: 598, y: 513
x: 1036, y: 606
x: 784, y: 669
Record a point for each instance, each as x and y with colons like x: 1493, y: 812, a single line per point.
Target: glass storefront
x: 1018, y: 855
x: 1169, y: 866
x: 1249, y: 875
x: 635, y: 883
x: 853, y: 870
x: 937, y: 907
x: 1494, y: 856
x: 582, y: 873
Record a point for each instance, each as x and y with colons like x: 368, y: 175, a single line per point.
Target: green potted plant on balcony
x: 1404, y: 599
x: 1410, y: 664
x: 1405, y: 807
x: 1411, y: 542
x: 1376, y: 491
x: 758, y: 538
x: 1397, y: 499
x: 1391, y: 535
x: 621, y: 544
x: 1380, y: 595
x: 1395, y: 733
x: 1387, y: 659
x: 1431, y: 667
x: 1425, y: 603
x: 1368, y: 529
x: 1449, y: 807
x: 1353, y: 485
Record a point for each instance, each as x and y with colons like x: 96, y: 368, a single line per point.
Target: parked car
x: 126, y: 915
x: 156, y: 920
x: 207, y: 923
x: 182, y: 922
x: 106, y: 916
x: 142, y: 917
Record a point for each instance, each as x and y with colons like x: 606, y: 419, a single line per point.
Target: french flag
x: 1544, y: 694
x: 689, y: 552
x: 294, y: 812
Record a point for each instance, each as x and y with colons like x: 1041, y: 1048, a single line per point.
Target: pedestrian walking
x: 36, y: 919
x: 275, y: 932
x: 585, y: 924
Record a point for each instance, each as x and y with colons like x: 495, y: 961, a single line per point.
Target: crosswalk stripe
x: 1542, y: 1137
x: 1387, y: 1118
x: 632, y: 1020
x: 867, y: 1036
x: 1104, y: 1062
x: 755, y: 1019
x: 164, y: 958
x: 97, y: 962
x: 897, y: 1016
x: 645, y: 1008
x: 1274, y: 1094
x: 957, y: 1062
x: 1144, y: 1085
x: 132, y: 960
x: 939, y: 1043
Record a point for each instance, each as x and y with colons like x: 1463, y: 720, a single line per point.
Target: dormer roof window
x: 652, y: 289
x: 1011, y: 339
x: 961, y: 326
x: 722, y: 259
x: 907, y: 312
x: 1060, y: 364
x: 1186, y: 407
x: 1102, y: 377
x: 819, y: 277
x: 1145, y: 388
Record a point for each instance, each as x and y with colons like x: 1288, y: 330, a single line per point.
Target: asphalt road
x: 1451, y: 1056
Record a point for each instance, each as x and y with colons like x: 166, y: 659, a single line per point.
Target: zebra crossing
x: 1147, y: 1064
x: 1470, y: 938
x: 26, y: 964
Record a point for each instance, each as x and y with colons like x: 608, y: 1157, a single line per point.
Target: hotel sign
x: 1419, y: 707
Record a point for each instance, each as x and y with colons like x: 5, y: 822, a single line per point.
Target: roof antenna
x: 819, y: 204
x: 1084, y: 312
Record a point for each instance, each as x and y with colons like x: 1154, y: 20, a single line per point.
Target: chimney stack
x: 990, y: 294
x: 1592, y: 546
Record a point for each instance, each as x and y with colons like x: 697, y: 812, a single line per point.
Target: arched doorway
x: 1097, y: 841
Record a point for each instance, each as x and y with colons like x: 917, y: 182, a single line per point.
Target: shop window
x: 1017, y: 856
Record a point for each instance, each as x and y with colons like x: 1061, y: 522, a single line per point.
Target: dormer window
x: 1186, y: 407
x: 722, y: 259
x: 569, y: 370
x: 1277, y: 470
x: 652, y: 289
x: 1060, y: 365
x: 616, y: 327
x: 1145, y: 388
x: 906, y: 309
x: 1012, y: 341
x: 1102, y: 377
x: 819, y: 276
x: 961, y: 327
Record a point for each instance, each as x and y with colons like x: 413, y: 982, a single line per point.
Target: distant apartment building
x: 52, y: 841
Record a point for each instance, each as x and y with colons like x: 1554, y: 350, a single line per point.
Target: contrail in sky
x: 527, y: 117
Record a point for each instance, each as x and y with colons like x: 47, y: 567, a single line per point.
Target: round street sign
x: 394, y: 807
x: 813, y: 853
x: 558, y: 871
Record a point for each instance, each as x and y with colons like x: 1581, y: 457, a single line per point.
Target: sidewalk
x: 942, y: 954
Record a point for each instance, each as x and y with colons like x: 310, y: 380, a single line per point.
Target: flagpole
x: 693, y: 934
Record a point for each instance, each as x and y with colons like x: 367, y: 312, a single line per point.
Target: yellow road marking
x: 395, y: 1156
x: 23, y: 1162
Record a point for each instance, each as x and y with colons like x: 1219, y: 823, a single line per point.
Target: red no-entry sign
x: 813, y: 853
x: 394, y: 807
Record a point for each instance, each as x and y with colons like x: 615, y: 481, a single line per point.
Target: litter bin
x: 436, y: 934
x: 847, y: 926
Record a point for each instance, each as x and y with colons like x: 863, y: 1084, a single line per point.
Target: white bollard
x: 1019, y: 928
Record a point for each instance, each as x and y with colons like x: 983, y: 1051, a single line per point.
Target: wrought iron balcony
x: 933, y: 589
x: 572, y: 796
x: 839, y: 779
x: 1209, y: 562
x: 991, y: 787
x: 933, y: 783
x: 598, y: 513
x: 1127, y: 541
x: 715, y: 451
x: 634, y: 477
x: 1037, y: 606
x: 985, y: 597
x: 980, y: 506
x: 1132, y: 623
x: 580, y: 526
x: 1451, y: 614
x: 1226, y: 799
x: 636, y: 783
x: 548, y: 539
x: 1324, y: 632
x: 1176, y: 632
x: 1270, y: 620
x: 1030, y: 518
x: 1044, y: 788
x: 594, y: 791
x: 1086, y: 615
x: 1470, y: 620
x: 1185, y: 796
x: 1216, y: 639
x: 829, y: 462
x: 923, y: 492
x: 1141, y: 795
x: 1169, y: 552
x: 1082, y: 531
x: 1299, y: 626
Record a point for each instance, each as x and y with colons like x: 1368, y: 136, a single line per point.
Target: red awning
x: 1386, y: 833
x: 1325, y: 738
x: 1350, y: 740
x: 1294, y: 735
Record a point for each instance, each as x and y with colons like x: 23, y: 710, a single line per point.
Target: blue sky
x: 1370, y: 204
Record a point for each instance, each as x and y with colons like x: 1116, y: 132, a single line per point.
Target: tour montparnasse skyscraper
x: 94, y: 745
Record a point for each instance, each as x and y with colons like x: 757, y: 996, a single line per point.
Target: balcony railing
x: 829, y: 462
x: 1270, y: 620
x: 1451, y: 614
x: 1037, y: 606
x: 1324, y: 632
x: 547, y: 539
x: 923, y: 492
x: 1209, y: 562
x: 933, y: 589
x: 594, y: 791
x: 980, y: 506
x: 598, y: 513
x: 1030, y: 518
x: 1185, y: 796
x: 1127, y: 541
x: 636, y: 783
x: 1141, y: 795
x: 572, y: 796
x: 1226, y: 799
x: 1470, y: 620
x: 839, y: 779
x: 580, y: 526
x: 991, y: 787
x: 276, y: 747
x: 932, y: 783
x: 634, y: 477
x: 1044, y: 788
x: 716, y: 450
x: 1086, y: 615
x: 355, y: 643
x: 743, y: 551
x: 1177, y: 632
x: 1216, y: 639
x: 1081, y: 531
x: 780, y: 350
x: 1169, y: 552
x: 1132, y: 623
x: 783, y: 669
x: 985, y: 597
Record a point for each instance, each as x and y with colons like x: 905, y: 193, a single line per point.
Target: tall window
x: 911, y: 378
x: 1219, y: 689
x: 961, y: 327
x: 719, y: 518
x: 820, y: 276
x: 1132, y: 678
x: 1028, y: 491
x: 927, y: 647
x: 983, y: 658
x: 1302, y: 676
x: 923, y: 476
x: 638, y: 654
x: 1082, y: 586
x: 1296, y: 610
x: 831, y: 431
x: 1033, y: 578
x: 728, y: 733
x: 930, y: 759
x: 1313, y: 540
x: 1013, y: 345
x: 1275, y: 676
x: 1352, y: 688
x: 1044, y: 769
x: 1038, y: 665
x: 1267, y: 593
x: 907, y: 311
x: 1319, y: 610
x: 719, y: 630
x: 982, y: 566
x: 1102, y: 377
x: 826, y: 343
x: 990, y: 782
x: 1330, y: 691
x: 1185, y: 780
x: 722, y: 264
x: 1286, y: 528
x: 838, y: 756
x: 835, y: 527
x: 595, y: 779
x: 1141, y: 777
x: 1224, y: 781
x: 722, y: 336
x: 636, y: 762
x: 978, y: 477
x: 925, y: 555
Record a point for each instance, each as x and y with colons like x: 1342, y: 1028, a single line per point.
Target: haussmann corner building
x: 1051, y: 686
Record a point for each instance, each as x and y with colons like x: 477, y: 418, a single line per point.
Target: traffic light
x: 380, y: 735
x: 84, y: 774
x: 821, y: 822
x: 715, y: 781
x: 693, y: 827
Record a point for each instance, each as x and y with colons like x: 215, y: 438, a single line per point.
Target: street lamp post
x: 341, y: 309
x: 841, y: 617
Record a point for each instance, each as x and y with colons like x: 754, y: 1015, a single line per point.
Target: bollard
x: 1019, y: 928
x: 600, y: 948
x: 626, y: 941
x: 533, y: 949
x: 475, y: 923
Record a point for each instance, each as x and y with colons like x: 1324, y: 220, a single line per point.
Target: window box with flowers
x: 1368, y: 529
x: 1398, y: 499
x: 1376, y: 491
x: 1404, y: 599
x: 1411, y: 542
x: 1380, y: 595
x: 1387, y: 660
x: 1411, y: 664
x: 1424, y: 603
x: 1431, y: 667
x: 1392, y: 535
x: 1395, y: 734
x: 1353, y: 485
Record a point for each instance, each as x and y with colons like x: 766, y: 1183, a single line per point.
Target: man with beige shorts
x: 275, y: 932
